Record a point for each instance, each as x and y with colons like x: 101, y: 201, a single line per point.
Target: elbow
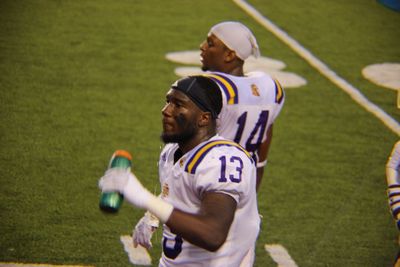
x: 213, y: 243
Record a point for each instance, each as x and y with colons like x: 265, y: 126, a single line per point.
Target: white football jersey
x: 394, y: 163
x: 216, y: 165
x: 394, y: 158
x: 251, y: 103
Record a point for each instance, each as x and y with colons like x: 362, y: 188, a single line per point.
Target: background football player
x: 393, y: 181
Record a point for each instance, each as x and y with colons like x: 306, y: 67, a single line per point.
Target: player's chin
x: 169, y: 137
x: 167, y: 128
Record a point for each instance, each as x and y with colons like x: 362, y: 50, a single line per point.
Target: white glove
x: 144, y: 230
x: 126, y: 183
x: 114, y: 180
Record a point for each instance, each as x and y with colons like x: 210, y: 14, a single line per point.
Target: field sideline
x: 81, y: 80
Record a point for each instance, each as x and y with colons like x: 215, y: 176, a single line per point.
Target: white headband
x: 236, y: 37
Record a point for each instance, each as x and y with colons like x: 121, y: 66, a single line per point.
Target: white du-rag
x: 236, y: 37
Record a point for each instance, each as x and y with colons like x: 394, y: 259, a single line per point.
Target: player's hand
x: 114, y: 180
x: 126, y: 183
x: 144, y: 230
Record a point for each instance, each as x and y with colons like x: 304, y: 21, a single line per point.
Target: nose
x: 202, y: 45
x: 165, y: 111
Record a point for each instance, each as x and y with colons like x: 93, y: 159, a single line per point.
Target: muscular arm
x: 262, y: 153
x: 209, y: 228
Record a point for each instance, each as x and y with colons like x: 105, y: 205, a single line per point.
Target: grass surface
x: 81, y: 79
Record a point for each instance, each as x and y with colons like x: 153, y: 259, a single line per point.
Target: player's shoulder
x: 397, y: 146
x: 212, y: 151
x: 267, y: 84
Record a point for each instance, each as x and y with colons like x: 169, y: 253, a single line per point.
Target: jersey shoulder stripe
x: 228, y: 87
x: 279, y: 94
x: 199, y: 155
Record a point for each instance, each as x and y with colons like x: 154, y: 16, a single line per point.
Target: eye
x: 178, y: 104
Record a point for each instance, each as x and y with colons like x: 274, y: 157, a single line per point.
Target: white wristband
x: 160, y: 208
x: 139, y: 196
x: 261, y: 164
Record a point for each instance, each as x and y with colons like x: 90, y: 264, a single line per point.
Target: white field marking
x: 280, y: 255
x: 139, y: 255
x: 15, y: 264
x: 353, y: 92
x: 273, y: 67
x: 383, y: 74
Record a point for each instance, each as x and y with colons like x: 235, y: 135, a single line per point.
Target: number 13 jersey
x: 216, y: 165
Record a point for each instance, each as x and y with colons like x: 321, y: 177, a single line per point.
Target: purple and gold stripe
x: 278, y: 92
x: 228, y: 87
x: 199, y: 155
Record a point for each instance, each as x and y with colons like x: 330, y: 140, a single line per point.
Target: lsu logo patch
x: 165, y: 190
x: 254, y: 90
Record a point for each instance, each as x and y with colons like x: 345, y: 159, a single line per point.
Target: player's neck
x: 237, y: 72
x: 200, y: 137
x: 233, y: 70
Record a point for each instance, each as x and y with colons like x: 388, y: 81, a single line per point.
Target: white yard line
x: 321, y: 67
x: 138, y: 255
x: 280, y: 255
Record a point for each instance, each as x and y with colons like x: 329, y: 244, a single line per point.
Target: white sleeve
x: 228, y: 173
x: 393, y: 165
x: 392, y: 177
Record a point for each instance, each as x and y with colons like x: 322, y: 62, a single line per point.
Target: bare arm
x: 209, y: 228
x: 262, y: 153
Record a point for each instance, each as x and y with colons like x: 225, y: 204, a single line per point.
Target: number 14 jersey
x: 251, y: 104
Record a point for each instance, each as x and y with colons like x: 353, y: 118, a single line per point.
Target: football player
x: 208, y: 203
x: 393, y: 181
x: 251, y: 101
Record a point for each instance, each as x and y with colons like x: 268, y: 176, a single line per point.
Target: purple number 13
x: 235, y: 177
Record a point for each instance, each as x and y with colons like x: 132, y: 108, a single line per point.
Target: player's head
x: 193, y: 105
x: 225, y: 42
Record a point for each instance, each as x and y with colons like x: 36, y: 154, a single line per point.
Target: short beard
x: 187, y: 134
x: 176, y: 138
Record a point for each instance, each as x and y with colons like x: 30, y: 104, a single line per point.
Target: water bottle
x: 110, y: 202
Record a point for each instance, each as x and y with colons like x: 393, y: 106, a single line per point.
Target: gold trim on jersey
x: 279, y: 92
x: 198, y: 156
x: 227, y: 86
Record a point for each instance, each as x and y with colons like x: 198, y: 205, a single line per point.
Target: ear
x: 229, y: 55
x: 205, y: 119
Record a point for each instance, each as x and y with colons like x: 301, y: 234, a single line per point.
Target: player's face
x: 212, y: 53
x: 179, y: 119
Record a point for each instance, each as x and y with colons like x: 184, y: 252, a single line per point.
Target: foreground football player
x: 251, y: 101
x: 393, y: 181
x: 208, y: 202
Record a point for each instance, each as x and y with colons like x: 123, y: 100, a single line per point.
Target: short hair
x: 203, y: 91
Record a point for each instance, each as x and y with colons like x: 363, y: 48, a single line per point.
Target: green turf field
x: 80, y: 79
